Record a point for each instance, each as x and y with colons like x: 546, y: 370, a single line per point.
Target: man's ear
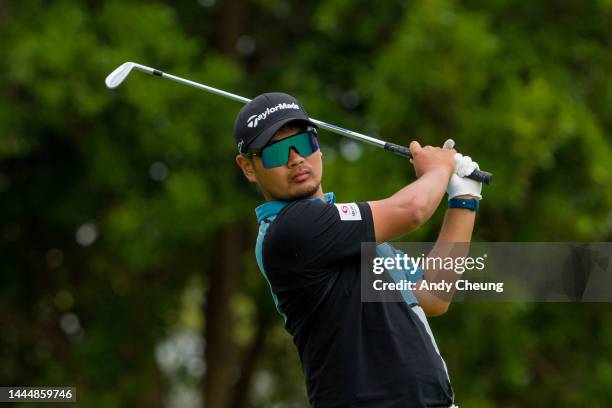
x: 247, y: 167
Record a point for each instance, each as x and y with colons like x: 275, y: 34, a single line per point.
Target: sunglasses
x: 276, y: 154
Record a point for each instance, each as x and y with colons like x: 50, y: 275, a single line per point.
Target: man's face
x: 299, y: 178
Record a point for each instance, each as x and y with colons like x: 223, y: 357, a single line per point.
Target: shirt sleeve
x: 308, y: 238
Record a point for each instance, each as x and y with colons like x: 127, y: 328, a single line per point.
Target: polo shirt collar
x: 272, y: 208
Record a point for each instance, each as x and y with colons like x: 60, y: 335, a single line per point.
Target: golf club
x: 116, y: 78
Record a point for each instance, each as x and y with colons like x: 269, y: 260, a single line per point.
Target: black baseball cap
x: 261, y: 118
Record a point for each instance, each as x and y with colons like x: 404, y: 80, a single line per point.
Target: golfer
x: 353, y: 353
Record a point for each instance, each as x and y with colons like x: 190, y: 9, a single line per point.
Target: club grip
x: 483, y: 176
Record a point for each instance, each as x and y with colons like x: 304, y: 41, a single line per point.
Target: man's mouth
x: 300, y: 175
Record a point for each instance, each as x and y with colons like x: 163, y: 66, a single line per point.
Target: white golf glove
x: 459, y: 185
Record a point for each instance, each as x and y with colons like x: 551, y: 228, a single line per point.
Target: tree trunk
x: 231, y: 24
x: 223, y: 278
x: 243, y: 386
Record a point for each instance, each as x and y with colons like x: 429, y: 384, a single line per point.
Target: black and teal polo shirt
x: 353, y: 353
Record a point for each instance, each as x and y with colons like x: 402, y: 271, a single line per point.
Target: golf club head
x: 115, y: 78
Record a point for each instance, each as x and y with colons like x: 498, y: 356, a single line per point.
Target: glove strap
x: 467, y: 203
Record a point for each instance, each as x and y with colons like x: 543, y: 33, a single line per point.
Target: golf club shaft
x: 403, y: 151
x: 332, y: 128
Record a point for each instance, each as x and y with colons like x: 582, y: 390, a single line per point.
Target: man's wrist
x: 445, y: 170
x: 471, y: 203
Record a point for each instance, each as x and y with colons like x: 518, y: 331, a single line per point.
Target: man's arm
x: 454, y: 238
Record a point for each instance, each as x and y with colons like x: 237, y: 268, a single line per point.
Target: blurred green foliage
x: 113, y: 202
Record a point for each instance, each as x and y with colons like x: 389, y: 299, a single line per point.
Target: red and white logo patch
x: 349, y: 212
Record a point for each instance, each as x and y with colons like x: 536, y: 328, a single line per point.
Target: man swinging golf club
x: 353, y: 353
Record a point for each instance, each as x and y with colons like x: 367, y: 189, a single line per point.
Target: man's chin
x: 301, y: 192
x: 306, y: 194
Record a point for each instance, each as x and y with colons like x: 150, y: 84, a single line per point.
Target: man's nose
x: 294, y: 157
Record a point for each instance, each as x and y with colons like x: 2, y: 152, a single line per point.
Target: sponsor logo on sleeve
x: 349, y: 212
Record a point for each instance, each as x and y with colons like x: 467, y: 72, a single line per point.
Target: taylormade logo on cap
x: 253, y: 120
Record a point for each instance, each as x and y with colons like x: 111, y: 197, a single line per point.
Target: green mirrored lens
x: 277, y: 154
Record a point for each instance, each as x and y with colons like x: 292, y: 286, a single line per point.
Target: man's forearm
x: 427, y: 191
x: 453, y: 242
x: 458, y: 225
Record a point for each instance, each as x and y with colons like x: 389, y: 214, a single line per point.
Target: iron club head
x: 115, y: 78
